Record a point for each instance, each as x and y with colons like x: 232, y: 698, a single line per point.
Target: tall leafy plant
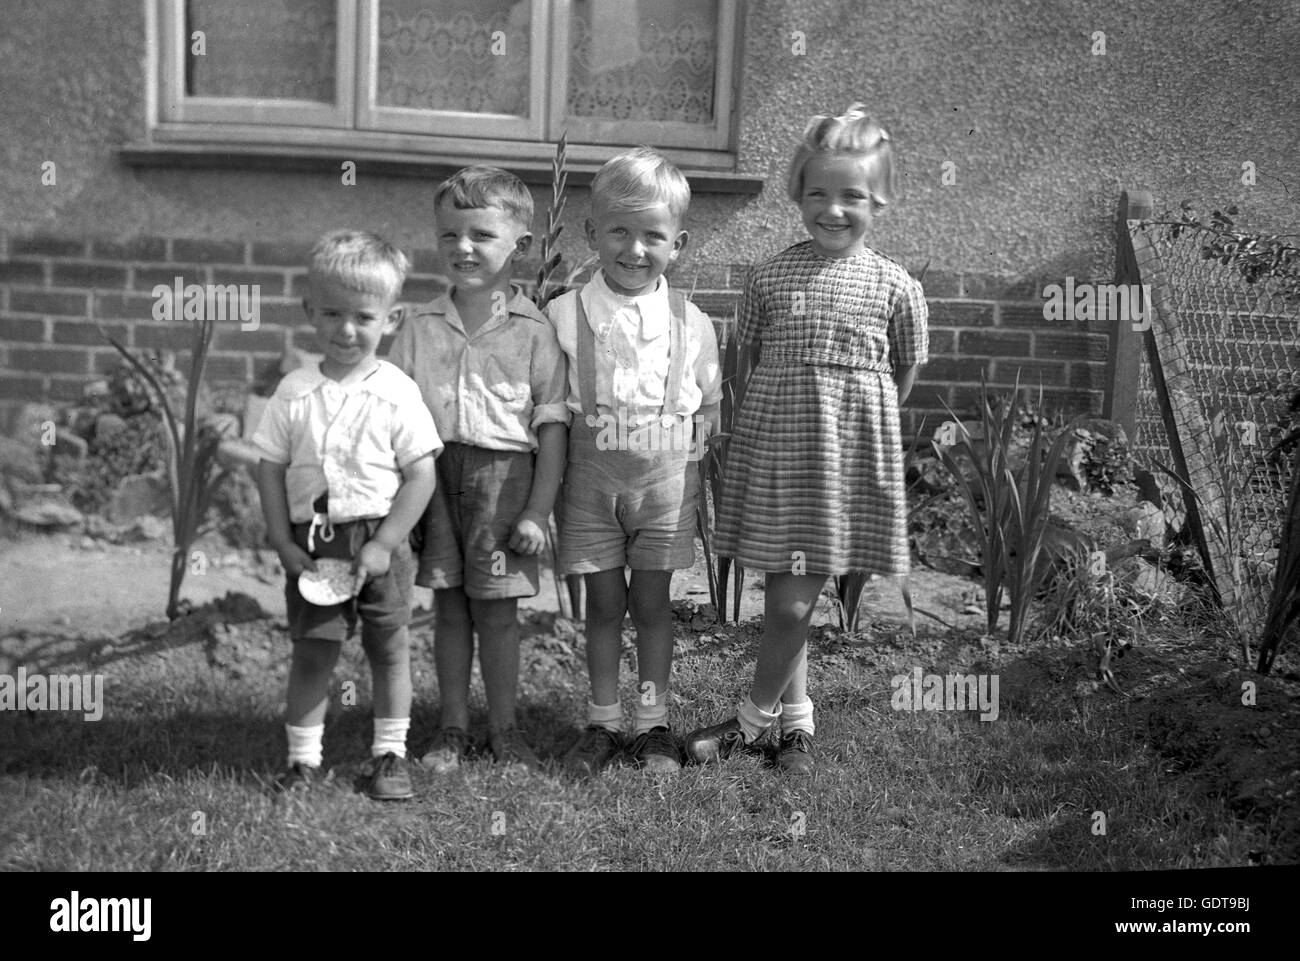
x: 1009, y: 507
x: 193, y: 472
x: 547, y: 290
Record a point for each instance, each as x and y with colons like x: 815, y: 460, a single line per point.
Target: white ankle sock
x: 754, y: 720
x: 390, y: 735
x: 608, y: 716
x: 305, y: 744
x: 797, y: 717
x: 654, y: 714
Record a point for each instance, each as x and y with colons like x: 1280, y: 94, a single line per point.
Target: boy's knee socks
x: 390, y: 736
x: 797, y: 717
x: 305, y: 744
x: 754, y: 720
x: 608, y: 716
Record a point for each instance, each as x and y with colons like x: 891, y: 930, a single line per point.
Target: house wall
x: 1036, y: 133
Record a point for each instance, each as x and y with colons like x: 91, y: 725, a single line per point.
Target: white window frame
x: 357, y: 123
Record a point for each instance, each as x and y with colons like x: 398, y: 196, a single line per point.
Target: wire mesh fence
x: 1240, y: 346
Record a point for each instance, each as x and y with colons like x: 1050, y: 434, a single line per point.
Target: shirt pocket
x: 509, y: 386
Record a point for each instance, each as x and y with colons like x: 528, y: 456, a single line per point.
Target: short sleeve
x: 414, y: 433
x: 909, y: 328
x: 549, y: 378
x: 708, y: 371
x: 749, y: 318
x: 272, y: 437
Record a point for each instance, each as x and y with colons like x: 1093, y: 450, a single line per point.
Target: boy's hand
x: 294, y: 559
x: 373, y: 560
x: 529, y: 534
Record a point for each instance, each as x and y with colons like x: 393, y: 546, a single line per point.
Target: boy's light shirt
x: 632, y: 352
x: 348, y: 440
x: 493, y: 389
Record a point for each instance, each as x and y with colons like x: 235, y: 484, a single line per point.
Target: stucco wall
x: 1043, y: 133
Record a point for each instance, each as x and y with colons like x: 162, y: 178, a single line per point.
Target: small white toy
x: 331, y: 583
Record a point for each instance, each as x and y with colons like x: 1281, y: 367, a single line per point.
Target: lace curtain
x: 467, y: 55
x: 643, y: 60
x: 272, y: 49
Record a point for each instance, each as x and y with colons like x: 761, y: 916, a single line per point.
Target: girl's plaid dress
x: 814, y: 471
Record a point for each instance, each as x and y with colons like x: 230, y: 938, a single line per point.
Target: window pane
x: 643, y: 60
x: 264, y: 49
x: 467, y: 55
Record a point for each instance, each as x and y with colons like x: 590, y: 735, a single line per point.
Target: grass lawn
x: 176, y: 774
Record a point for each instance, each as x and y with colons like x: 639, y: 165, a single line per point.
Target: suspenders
x: 676, y: 354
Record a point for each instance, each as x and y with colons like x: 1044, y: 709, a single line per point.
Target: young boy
x: 493, y: 376
x: 643, y: 369
x: 347, y: 467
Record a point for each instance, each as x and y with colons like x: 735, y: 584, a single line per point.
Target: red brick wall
x: 53, y: 290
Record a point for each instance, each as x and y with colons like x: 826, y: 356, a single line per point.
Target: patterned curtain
x: 661, y: 69
x: 466, y: 55
x: 269, y: 49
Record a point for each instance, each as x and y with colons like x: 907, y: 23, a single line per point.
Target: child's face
x: 635, y: 246
x: 837, y: 204
x: 349, y: 324
x: 479, y: 246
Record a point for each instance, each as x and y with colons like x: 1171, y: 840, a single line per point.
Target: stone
x: 138, y: 495
x: 106, y: 425
x: 21, y: 461
x: 1147, y: 522
x: 149, y: 528
x: 1146, y: 578
x: 32, y: 422
x: 48, y: 510
x: 69, y: 445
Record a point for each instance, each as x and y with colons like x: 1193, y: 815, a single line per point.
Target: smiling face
x: 635, y: 246
x: 836, y: 203
x: 349, y: 324
x: 479, y: 246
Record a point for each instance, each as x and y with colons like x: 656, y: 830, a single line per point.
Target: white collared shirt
x: 631, y: 340
x: 350, y: 440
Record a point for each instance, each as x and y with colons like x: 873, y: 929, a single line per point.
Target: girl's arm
x: 746, y: 361
x: 904, y: 377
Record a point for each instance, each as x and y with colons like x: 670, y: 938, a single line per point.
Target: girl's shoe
x: 389, y: 779
x: 297, y: 780
x: 596, y: 747
x: 716, y: 743
x: 655, y: 751
x: 509, y: 747
x: 449, y: 747
x: 795, y: 755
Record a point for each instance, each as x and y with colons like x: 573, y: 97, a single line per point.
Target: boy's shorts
x: 620, y: 510
x: 466, y: 528
x: 384, y: 604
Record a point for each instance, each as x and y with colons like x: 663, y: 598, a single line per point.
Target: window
x: 494, y: 78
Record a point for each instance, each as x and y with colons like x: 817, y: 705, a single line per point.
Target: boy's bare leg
x: 453, y: 656
x: 648, y: 603
x: 606, y: 607
x: 389, y: 655
x: 309, y: 679
x: 783, y: 654
x: 497, y: 622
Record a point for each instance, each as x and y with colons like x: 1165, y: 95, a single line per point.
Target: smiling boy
x: 492, y: 375
x: 645, y: 359
x: 347, y: 468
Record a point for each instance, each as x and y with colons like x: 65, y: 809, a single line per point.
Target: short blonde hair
x: 639, y: 179
x: 480, y: 186
x: 359, y: 260
x: 856, y: 133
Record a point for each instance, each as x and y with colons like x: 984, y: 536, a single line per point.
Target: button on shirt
x: 347, y: 440
x: 492, y: 389
x: 632, y: 337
